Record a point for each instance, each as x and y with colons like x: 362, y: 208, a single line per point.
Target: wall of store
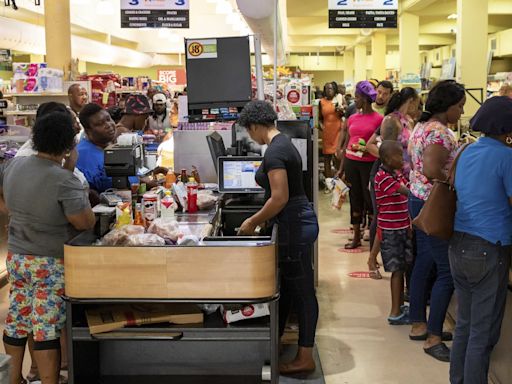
x: 322, y: 77
x: 93, y: 68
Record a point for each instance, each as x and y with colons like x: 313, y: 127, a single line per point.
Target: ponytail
x: 400, y: 98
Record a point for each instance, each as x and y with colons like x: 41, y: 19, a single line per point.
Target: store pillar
x: 58, y: 35
x: 472, y: 48
x: 360, y: 62
x: 409, y: 31
x: 379, y: 56
x: 349, y: 67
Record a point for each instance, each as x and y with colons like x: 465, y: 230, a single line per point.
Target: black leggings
x: 358, y: 176
x: 298, y: 230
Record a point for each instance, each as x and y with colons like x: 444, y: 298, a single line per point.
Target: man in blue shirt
x: 100, y: 131
x: 481, y: 246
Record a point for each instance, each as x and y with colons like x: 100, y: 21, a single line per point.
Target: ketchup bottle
x: 192, y: 188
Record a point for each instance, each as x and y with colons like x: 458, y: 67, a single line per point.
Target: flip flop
x: 375, y: 275
x: 447, y: 336
x: 352, y: 245
x: 439, y: 352
x: 403, y: 319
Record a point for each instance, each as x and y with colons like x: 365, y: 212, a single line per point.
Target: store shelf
x: 62, y: 94
x: 20, y: 113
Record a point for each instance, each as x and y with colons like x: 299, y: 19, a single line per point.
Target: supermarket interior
x: 241, y: 191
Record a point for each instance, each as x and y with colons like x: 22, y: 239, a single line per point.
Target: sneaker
x: 403, y: 319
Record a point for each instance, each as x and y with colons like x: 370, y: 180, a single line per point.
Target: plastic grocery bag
x: 339, y: 193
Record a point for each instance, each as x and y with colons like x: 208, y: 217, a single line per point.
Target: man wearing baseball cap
x: 159, y: 122
x: 136, y: 113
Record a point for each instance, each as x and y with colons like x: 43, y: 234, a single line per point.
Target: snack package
x: 121, y: 235
x: 339, y: 193
x: 247, y: 312
x: 167, y: 229
x: 124, y: 214
x: 206, y: 199
x: 180, y: 191
x: 145, y: 240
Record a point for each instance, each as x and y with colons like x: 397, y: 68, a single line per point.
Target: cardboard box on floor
x: 112, y: 317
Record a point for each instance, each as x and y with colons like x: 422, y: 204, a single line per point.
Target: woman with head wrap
x: 357, y: 162
x: 481, y: 246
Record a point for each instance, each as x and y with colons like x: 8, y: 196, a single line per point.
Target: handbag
x: 437, y: 217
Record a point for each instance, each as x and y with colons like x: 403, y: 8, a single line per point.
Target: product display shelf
x: 20, y: 113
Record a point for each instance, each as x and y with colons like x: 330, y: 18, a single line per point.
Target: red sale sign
x: 172, y: 76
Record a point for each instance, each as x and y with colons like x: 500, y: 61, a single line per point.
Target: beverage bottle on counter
x: 192, y: 188
x: 184, y: 176
x: 167, y: 206
x: 195, y: 174
x: 138, y: 220
x: 170, y: 179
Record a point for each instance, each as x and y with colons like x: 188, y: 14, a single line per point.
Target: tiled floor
x: 355, y: 343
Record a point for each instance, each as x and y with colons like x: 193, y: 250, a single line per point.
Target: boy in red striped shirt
x: 394, y: 225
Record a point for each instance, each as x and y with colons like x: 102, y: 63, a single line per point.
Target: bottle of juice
x: 138, y: 220
x: 170, y: 179
x: 192, y: 188
x: 167, y: 206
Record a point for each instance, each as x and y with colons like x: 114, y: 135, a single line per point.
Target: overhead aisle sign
x: 155, y: 13
x: 363, y: 13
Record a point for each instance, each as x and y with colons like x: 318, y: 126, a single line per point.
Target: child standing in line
x: 394, y: 225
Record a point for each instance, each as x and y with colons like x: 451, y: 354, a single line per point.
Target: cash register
x: 122, y: 161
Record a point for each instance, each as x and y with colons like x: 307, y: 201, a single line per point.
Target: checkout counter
x: 221, y: 269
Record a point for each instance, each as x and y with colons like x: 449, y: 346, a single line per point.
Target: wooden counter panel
x: 170, y: 273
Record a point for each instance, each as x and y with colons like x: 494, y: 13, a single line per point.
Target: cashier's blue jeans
x: 430, y: 251
x: 298, y: 230
x: 480, y: 273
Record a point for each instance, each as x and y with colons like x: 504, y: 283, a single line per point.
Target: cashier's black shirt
x: 281, y: 154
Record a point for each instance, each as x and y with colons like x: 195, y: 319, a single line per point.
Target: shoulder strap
x: 451, y: 174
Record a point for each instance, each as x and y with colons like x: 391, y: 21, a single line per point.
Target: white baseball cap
x: 159, y: 98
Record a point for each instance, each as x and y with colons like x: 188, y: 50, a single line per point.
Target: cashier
x: 280, y: 174
x: 100, y: 131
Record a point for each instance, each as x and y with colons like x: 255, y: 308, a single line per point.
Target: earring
x: 508, y: 140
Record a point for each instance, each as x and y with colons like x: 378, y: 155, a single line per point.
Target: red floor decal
x: 360, y: 275
x: 357, y: 250
x: 341, y: 231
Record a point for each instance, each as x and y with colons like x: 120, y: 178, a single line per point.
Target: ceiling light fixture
x: 453, y: 16
x: 105, y: 8
x: 223, y: 8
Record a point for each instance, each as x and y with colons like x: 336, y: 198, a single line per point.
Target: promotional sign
x: 202, y: 49
x: 155, y: 13
x: 363, y: 13
x: 173, y: 76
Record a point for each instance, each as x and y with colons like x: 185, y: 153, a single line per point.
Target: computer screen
x: 237, y: 174
x: 217, y: 148
x: 247, y: 146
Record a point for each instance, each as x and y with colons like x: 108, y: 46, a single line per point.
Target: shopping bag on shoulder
x: 437, y: 217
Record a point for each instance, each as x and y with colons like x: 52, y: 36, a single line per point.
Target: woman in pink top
x: 357, y: 162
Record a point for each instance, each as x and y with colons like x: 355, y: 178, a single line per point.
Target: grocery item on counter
x: 170, y: 179
x: 137, y: 216
x: 167, y: 206
x: 192, y: 188
x: 119, y: 236
x: 124, y: 214
x: 195, y: 174
x: 181, y: 194
x: 167, y: 229
x: 145, y: 240
x: 189, y: 240
x: 183, y: 176
x: 247, y: 312
x: 206, y: 199
x: 149, y: 208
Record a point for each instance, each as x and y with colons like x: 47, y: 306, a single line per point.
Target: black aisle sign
x: 155, y: 14
x: 363, y: 19
x: 363, y: 13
